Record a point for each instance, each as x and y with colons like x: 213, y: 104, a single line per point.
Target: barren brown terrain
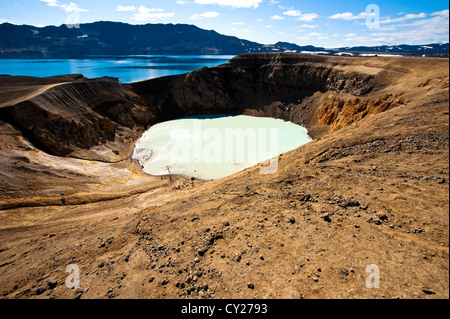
x: 370, y: 189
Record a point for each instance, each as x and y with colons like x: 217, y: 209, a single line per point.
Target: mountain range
x: 115, y: 38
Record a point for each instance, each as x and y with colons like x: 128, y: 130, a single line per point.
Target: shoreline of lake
x: 128, y: 69
x: 210, y: 147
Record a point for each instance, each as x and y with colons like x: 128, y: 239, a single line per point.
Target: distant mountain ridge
x: 116, y: 38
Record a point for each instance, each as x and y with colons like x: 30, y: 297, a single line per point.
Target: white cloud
x: 51, y: 3
x: 388, y: 28
x: 310, y: 26
x: 350, y: 35
x: 300, y: 16
x: 145, y: 10
x: 285, y: 8
x: 71, y: 7
x: 404, y: 18
x: 420, y: 31
x: 238, y: 23
x: 307, y: 17
x: 293, y: 13
x: 245, y: 30
x: 209, y: 14
x: 303, y: 38
x: 350, y: 16
x: 276, y: 17
x: 322, y: 38
x: 146, y: 14
x: 125, y: 8
x: 443, y: 13
x: 315, y: 34
x: 153, y: 16
x: 368, y: 41
x: 435, y: 29
x: 182, y: 2
x: 232, y: 3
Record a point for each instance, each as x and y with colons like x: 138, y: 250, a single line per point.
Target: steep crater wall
x: 87, y: 118
x: 250, y: 81
x: 71, y: 118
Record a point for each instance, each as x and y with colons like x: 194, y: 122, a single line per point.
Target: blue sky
x: 322, y: 23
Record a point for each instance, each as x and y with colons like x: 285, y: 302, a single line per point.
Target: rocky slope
x: 372, y: 188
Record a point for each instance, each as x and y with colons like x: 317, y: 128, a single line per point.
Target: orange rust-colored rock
x: 341, y: 110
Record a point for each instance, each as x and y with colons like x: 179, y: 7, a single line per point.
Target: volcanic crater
x: 370, y: 189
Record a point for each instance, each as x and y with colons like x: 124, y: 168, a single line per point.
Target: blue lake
x: 126, y: 68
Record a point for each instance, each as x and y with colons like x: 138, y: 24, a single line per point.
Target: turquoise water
x: 215, y: 146
x: 127, y: 68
